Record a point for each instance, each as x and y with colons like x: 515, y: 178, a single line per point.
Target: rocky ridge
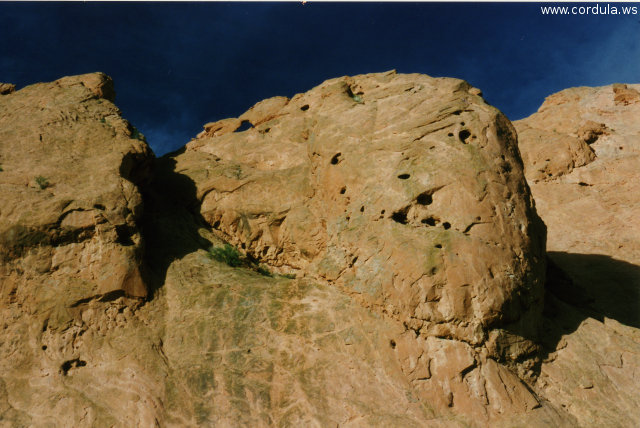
x: 391, y: 269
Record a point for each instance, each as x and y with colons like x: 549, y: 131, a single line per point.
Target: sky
x: 177, y: 66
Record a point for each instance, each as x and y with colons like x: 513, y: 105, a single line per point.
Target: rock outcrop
x: 407, y: 193
x: 7, y: 88
x: 591, y: 210
x: 389, y: 271
x: 69, y: 237
x: 70, y: 165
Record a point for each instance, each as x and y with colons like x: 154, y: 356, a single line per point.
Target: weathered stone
x: 406, y: 191
x: 592, y: 213
x: 403, y: 191
x: 70, y: 201
x: 421, y: 315
x: 7, y: 88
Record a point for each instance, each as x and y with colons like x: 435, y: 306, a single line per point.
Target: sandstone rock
x: 625, y: 95
x: 387, y: 197
x: 70, y: 201
x: 398, y: 201
x: 591, y: 212
x: 405, y: 192
x: 69, y: 243
x: 71, y: 260
x: 7, y: 88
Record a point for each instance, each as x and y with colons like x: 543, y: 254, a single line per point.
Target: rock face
x: 68, y: 232
x: 400, y: 205
x: 591, y: 210
x: 70, y: 203
x: 405, y: 191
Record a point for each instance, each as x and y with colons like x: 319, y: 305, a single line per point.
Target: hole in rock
x: 44, y: 347
x: 305, y: 107
x: 68, y: 365
x: 400, y: 216
x: 244, y: 126
x: 382, y: 212
x: 336, y: 159
x: 430, y: 221
x: 582, y: 183
x: 392, y: 343
x: 362, y: 209
x: 506, y: 167
x: 450, y: 134
x: 446, y: 225
x: 343, y: 190
x: 355, y: 259
x: 99, y: 207
x: 404, y: 176
x: 243, y: 245
x: 438, y: 245
x: 216, y: 224
x: 463, y: 135
x: 124, y: 233
x: 462, y: 123
x: 267, y: 130
x: 424, y: 198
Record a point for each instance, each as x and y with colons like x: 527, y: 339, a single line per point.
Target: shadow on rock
x: 588, y: 285
x: 170, y: 222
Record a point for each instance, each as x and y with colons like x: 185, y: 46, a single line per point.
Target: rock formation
x: 591, y: 210
x: 407, y: 193
x: 70, y: 202
x: 389, y: 271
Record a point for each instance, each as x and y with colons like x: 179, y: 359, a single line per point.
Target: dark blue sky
x: 177, y: 66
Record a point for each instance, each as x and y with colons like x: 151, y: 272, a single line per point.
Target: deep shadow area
x: 602, y: 286
x: 588, y: 285
x: 170, y: 221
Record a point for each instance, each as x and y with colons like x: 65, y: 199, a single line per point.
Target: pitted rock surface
x: 399, y: 203
x: 403, y: 190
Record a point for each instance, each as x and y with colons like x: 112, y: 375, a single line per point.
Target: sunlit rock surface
x: 591, y: 211
x: 390, y: 265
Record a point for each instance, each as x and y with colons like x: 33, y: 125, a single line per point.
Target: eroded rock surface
x: 398, y: 201
x: 591, y: 210
x: 70, y: 203
x: 7, y: 88
x: 69, y: 237
x: 407, y: 193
